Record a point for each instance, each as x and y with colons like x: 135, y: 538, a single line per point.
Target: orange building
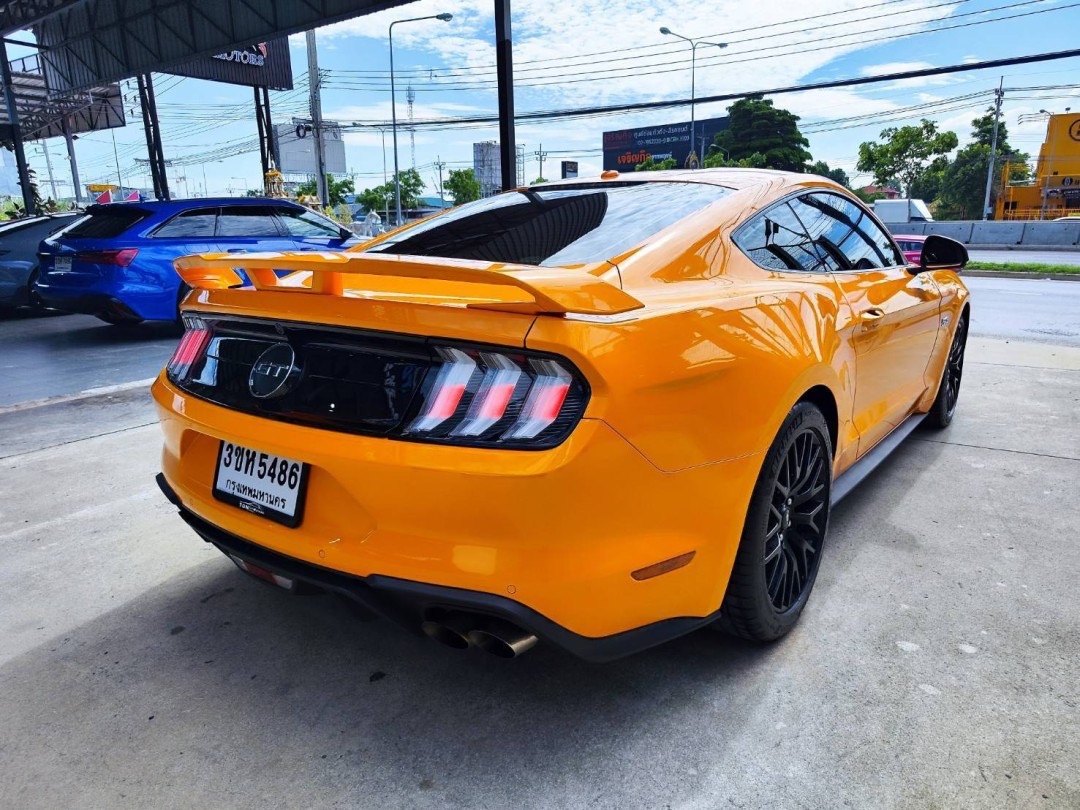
x: 1055, y: 190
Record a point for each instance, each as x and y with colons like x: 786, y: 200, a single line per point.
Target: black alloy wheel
x: 786, y: 523
x: 797, y: 517
x: 944, y: 407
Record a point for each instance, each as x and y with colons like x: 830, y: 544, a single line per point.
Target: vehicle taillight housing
x: 190, y: 350
x: 498, y: 398
x: 121, y: 258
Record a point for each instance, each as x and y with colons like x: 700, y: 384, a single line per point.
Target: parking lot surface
x: 935, y: 666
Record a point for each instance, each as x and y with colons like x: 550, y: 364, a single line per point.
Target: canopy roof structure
x: 88, y: 43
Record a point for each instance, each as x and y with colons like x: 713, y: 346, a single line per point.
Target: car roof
x: 195, y: 202
x: 736, y: 179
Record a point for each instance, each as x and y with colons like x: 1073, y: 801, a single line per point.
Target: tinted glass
x: 845, y: 233
x: 307, y: 224
x: 190, y: 224
x: 562, y: 225
x: 106, y: 223
x: 776, y: 240
x: 249, y: 221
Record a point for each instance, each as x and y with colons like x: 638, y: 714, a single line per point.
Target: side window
x: 195, y: 224
x: 247, y: 221
x: 776, y: 240
x: 303, y: 224
x: 845, y: 233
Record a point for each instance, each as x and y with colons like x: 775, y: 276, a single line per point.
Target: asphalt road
x: 936, y: 665
x: 1036, y: 256
x: 1040, y: 310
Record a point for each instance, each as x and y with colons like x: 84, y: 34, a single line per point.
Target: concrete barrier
x: 1051, y: 233
x: 997, y: 233
x: 960, y: 231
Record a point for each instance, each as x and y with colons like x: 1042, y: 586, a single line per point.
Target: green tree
x: 653, y: 165
x: 756, y: 127
x: 381, y: 198
x: 906, y: 153
x: 963, y: 181
x: 836, y: 175
x: 335, y: 189
x: 717, y: 160
x: 462, y: 186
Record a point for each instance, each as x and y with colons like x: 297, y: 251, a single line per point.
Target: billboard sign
x: 569, y: 169
x: 261, y: 64
x: 297, y: 154
x: 624, y: 149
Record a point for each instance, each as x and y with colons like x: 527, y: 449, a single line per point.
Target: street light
x: 693, y: 60
x: 393, y: 102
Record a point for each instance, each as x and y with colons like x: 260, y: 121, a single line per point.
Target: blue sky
x: 607, y: 52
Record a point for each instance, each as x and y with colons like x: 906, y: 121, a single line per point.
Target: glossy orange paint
x: 694, y: 356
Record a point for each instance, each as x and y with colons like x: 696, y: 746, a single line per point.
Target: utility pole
x: 48, y: 167
x: 71, y: 159
x: 440, y: 165
x: 998, y: 95
x: 315, y: 101
x: 116, y: 157
x: 540, y: 155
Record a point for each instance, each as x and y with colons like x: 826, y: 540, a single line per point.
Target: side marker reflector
x: 665, y: 567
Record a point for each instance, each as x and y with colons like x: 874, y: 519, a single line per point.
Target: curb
x: 1019, y: 274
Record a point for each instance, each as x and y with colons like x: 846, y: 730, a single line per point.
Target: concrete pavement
x: 936, y: 665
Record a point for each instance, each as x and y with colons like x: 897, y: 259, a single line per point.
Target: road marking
x: 87, y: 394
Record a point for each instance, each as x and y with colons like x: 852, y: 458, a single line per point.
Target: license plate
x: 62, y: 264
x: 261, y: 483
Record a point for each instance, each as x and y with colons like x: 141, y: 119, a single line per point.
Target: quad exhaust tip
x: 498, y: 637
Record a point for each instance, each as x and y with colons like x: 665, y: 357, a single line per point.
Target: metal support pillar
x: 71, y: 159
x: 153, y: 136
x: 271, y: 141
x: 504, y: 69
x: 16, y: 134
x: 260, y: 122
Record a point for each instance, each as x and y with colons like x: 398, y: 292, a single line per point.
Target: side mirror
x: 346, y: 233
x: 942, y: 253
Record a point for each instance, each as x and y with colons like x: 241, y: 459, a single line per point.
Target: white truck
x: 893, y: 211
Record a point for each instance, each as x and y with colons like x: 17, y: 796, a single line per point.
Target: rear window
x: 106, y: 224
x: 561, y: 225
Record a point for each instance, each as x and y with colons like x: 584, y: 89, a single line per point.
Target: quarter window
x: 777, y: 240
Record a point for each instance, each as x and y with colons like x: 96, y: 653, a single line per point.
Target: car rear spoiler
x: 510, y: 287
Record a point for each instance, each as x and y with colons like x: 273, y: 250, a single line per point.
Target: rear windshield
x: 105, y: 224
x: 562, y: 225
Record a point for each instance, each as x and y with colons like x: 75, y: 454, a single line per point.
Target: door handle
x: 872, y: 314
x: 237, y: 250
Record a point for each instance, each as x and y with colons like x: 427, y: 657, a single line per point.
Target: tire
x: 944, y: 408
x: 780, y: 550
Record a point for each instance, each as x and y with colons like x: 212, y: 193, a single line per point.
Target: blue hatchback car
x: 116, y: 262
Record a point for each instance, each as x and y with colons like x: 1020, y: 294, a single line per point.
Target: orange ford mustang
x: 601, y: 413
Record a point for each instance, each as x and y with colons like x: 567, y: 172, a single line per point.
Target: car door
x: 311, y: 231
x: 250, y: 228
x: 894, y: 313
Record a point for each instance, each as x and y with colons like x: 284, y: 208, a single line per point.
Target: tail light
x: 120, y: 258
x: 490, y: 398
x: 190, y: 350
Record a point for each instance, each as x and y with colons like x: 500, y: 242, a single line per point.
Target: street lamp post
x: 693, y: 69
x: 393, y: 103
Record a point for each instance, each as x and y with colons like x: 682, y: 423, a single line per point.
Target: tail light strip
x: 190, y: 349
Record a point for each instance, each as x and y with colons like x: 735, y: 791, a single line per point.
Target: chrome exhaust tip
x: 501, y: 639
x: 453, y: 630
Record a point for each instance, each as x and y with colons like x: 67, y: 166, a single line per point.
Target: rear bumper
x: 118, y: 292
x: 548, y: 538
x: 407, y: 603
x: 93, y: 304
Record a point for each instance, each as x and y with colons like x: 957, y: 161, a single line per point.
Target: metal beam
x: 504, y: 68
x: 16, y: 133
